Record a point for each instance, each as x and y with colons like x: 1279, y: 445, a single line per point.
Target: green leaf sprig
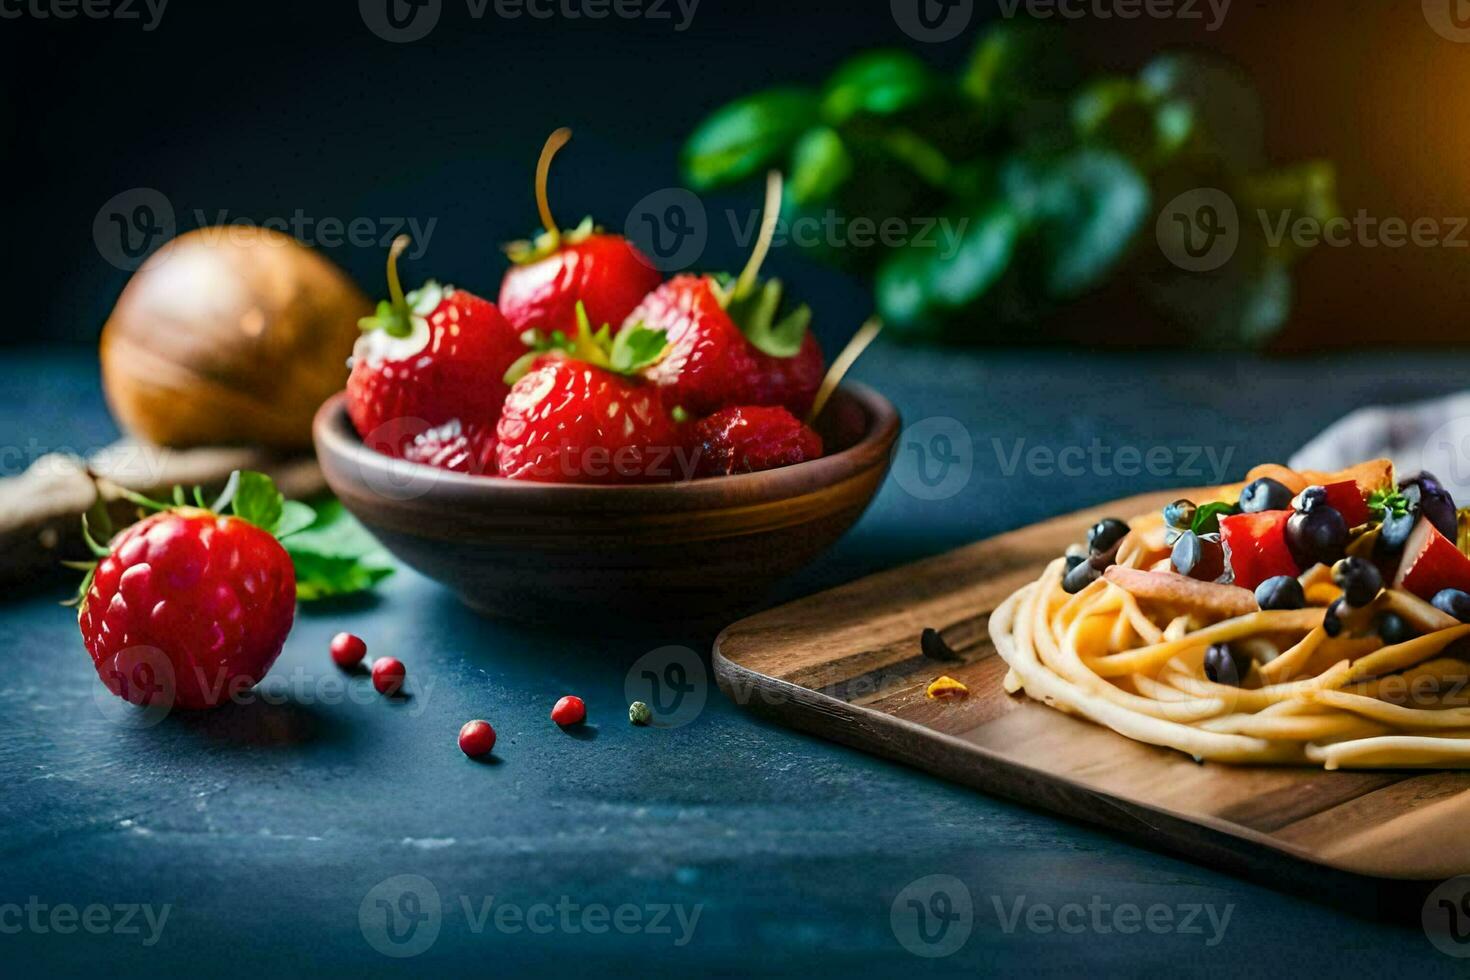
x: 634, y: 348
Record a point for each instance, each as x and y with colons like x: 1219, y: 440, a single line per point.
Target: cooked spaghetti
x: 1344, y: 671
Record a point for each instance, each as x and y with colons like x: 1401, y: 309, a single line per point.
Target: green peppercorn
x: 639, y: 714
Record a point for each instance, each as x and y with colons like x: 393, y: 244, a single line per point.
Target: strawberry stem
x: 771, y: 214
x: 395, y: 288
x: 842, y: 363
x: 554, y: 142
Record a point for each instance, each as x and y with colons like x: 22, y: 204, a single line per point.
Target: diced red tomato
x: 1431, y: 562
x: 1256, y: 545
x: 1348, y: 500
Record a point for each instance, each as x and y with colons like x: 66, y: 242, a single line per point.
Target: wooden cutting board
x: 846, y: 664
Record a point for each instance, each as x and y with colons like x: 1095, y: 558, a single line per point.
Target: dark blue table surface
x: 267, y: 829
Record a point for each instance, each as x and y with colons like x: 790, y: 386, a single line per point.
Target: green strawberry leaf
x: 257, y: 500
x: 295, y: 517
x: 336, y: 556
x: 400, y: 321
x: 636, y: 347
x: 757, y: 316
x: 544, y: 243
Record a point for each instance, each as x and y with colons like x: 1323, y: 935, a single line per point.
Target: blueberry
x: 1393, y: 534
x: 1186, y: 554
x: 1359, y: 580
x: 1180, y: 514
x: 1393, y: 629
x: 1454, y: 602
x: 1428, y: 497
x: 1105, y: 534
x: 1316, y: 533
x: 1224, y: 665
x: 1073, y: 561
x: 1080, y: 577
x: 1264, y: 494
x: 1309, y: 499
x: 1332, y: 620
x: 1281, y: 592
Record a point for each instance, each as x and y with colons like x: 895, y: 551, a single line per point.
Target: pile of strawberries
x: 590, y: 369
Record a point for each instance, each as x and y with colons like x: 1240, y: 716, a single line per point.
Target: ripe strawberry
x: 559, y: 268
x: 727, y: 345
x: 750, y: 438
x: 577, y: 416
x: 426, y: 359
x: 455, y: 446
x: 189, y: 607
x: 604, y: 271
x: 713, y: 363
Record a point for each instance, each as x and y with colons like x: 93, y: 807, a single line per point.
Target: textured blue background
x: 265, y: 826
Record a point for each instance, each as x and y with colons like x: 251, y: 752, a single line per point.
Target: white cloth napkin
x: 1432, y: 435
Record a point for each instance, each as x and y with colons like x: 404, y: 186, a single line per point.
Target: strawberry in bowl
x: 734, y: 341
x: 426, y: 360
x: 559, y: 268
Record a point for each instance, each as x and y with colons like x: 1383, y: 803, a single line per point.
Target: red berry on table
x: 569, y: 711
x: 189, y: 607
x: 551, y: 274
x: 750, y: 438
x: 731, y: 342
x: 347, y: 649
x: 476, y: 738
x: 576, y: 418
x: 426, y: 359
x: 388, y: 675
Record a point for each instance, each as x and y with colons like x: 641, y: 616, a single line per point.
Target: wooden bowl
x: 670, y: 552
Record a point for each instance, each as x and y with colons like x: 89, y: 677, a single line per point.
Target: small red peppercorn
x: 569, y: 711
x: 388, y: 674
x: 476, y: 738
x: 347, y: 649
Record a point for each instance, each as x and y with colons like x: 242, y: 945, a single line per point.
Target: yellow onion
x: 229, y: 336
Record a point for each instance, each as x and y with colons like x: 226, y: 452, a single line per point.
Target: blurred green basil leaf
x: 1083, y: 211
x: 819, y: 166
x: 1016, y: 62
x: 1122, y: 115
x: 921, y: 286
x: 746, y: 136
x: 879, y: 83
x: 1226, y: 108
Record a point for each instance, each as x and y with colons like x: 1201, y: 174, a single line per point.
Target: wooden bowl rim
x: 343, y: 456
